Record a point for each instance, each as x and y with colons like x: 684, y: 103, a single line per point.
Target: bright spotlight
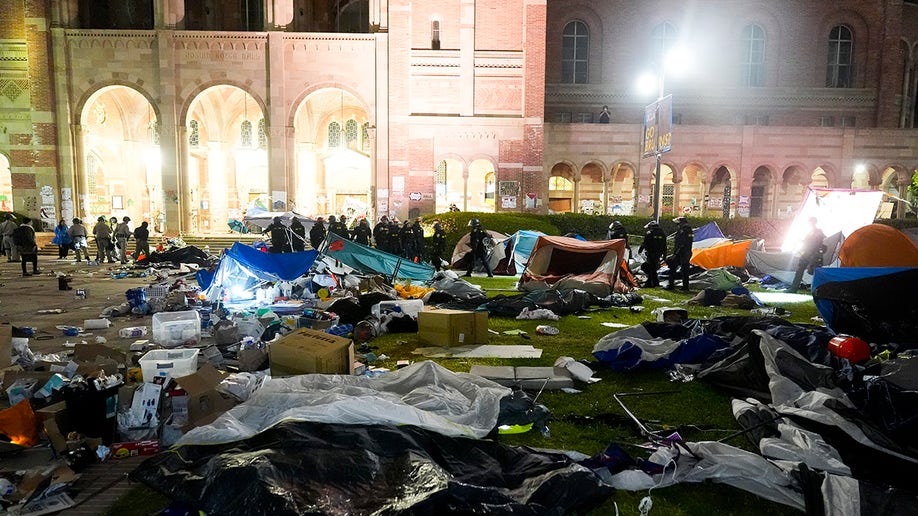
x: 648, y: 84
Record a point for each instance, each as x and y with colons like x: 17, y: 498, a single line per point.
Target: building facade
x: 189, y: 115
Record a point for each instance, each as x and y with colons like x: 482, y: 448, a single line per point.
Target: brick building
x: 188, y: 115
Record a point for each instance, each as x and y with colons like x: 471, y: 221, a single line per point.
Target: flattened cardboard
x: 441, y: 327
x: 305, y: 351
x: 6, y: 345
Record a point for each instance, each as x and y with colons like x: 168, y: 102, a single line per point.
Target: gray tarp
x: 423, y: 394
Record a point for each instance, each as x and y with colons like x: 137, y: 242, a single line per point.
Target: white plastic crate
x: 169, y: 363
x: 173, y: 329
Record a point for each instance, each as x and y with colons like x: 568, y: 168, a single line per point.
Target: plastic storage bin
x: 408, y: 306
x: 172, y: 329
x: 169, y: 363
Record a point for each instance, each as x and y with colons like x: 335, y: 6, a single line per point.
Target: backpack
x: 21, y: 236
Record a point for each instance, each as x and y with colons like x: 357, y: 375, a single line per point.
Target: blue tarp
x: 522, y: 242
x: 709, y: 230
x: 243, y: 267
x: 373, y: 261
x: 873, y: 303
x: 633, y: 352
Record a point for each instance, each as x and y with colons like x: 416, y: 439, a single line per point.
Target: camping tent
x: 878, y: 245
x: 262, y: 219
x: 872, y: 303
x: 567, y: 263
x: 373, y: 261
x: 708, y: 235
x: 723, y: 254
x: 518, y: 247
x: 496, y: 250
x: 242, y: 268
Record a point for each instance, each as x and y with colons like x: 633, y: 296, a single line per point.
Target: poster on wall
x: 530, y: 201
x: 508, y: 188
x: 508, y: 201
x: 586, y: 206
x: 47, y: 213
x: 67, y: 204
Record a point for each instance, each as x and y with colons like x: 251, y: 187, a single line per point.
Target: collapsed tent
x: 241, y: 268
x: 494, y: 248
x: 567, y: 263
x: 369, y: 260
x: 321, y: 468
x: 783, y: 265
x: 708, y: 235
x: 873, y: 303
x: 518, y: 247
x: 722, y: 254
x: 186, y: 254
x: 878, y: 245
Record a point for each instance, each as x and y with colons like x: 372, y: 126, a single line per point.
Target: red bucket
x: 851, y: 348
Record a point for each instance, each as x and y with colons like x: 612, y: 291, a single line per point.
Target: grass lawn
x: 589, y: 421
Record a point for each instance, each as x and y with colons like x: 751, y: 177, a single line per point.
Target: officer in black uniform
x: 317, y: 233
x: 381, y: 233
x: 479, y: 251
x: 682, y: 254
x: 654, y: 245
x: 337, y: 227
x: 363, y: 233
x: 617, y: 230
x: 438, y: 246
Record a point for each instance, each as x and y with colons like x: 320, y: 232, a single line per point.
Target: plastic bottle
x: 96, y: 324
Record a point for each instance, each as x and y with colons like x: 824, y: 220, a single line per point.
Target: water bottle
x: 133, y: 331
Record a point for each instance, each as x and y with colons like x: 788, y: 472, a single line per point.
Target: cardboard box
x: 205, y: 403
x: 307, y: 351
x: 452, y: 327
x: 134, y: 448
x: 6, y: 345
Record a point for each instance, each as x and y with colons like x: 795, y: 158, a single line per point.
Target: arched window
x: 365, y: 137
x: 334, y: 135
x: 194, y: 135
x: 662, y: 40
x: 262, y: 134
x: 840, y: 67
x: 560, y: 183
x: 753, y: 57
x: 350, y: 132
x: 575, y: 47
x: 245, y: 134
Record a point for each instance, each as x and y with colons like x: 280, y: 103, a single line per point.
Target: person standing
x: 103, y: 234
x: 122, y: 235
x: 604, y: 116
x: 338, y: 227
x: 395, y: 241
x: 78, y: 236
x: 363, y: 233
x: 617, y: 231
x: 381, y: 233
x: 417, y: 235
x: 6, y: 230
x: 113, y: 248
x: 24, y: 238
x: 654, y: 245
x: 142, y: 241
x: 280, y: 242
x: 62, y: 239
x: 317, y: 233
x: 810, y: 255
x: 682, y: 253
x: 345, y: 230
x: 478, y: 252
x: 406, y: 241
x: 438, y: 246
x: 298, y: 236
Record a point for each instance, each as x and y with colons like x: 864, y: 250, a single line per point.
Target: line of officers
x: 405, y: 239
x: 654, y: 250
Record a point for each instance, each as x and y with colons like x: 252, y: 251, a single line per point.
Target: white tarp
x: 423, y: 394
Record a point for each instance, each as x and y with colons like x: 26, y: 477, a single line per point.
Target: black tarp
x: 319, y: 468
x: 187, y: 254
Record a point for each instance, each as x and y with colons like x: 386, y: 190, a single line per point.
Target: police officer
x: 654, y: 245
x: 617, y: 231
x: 406, y: 241
x: 381, y: 233
x: 395, y: 241
x: 810, y: 255
x: 337, y: 227
x: 682, y: 253
x: 317, y: 233
x: 417, y: 233
x: 363, y: 233
x: 479, y: 251
x: 438, y: 246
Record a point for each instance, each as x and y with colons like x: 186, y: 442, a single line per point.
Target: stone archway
x: 761, y: 194
x: 722, y: 193
x: 226, y: 163
x: 621, y: 191
x: 590, y: 189
x: 333, y: 156
x: 481, y: 187
x: 121, y: 171
x: 561, y: 189
x: 449, y: 185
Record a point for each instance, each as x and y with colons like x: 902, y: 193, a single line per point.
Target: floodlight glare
x: 647, y: 84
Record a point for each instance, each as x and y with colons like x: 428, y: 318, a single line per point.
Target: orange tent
x: 722, y: 255
x: 878, y: 245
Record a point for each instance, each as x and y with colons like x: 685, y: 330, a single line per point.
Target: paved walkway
x: 101, y: 485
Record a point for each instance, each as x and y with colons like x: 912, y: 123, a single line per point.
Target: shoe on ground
x: 25, y: 274
x: 490, y: 275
